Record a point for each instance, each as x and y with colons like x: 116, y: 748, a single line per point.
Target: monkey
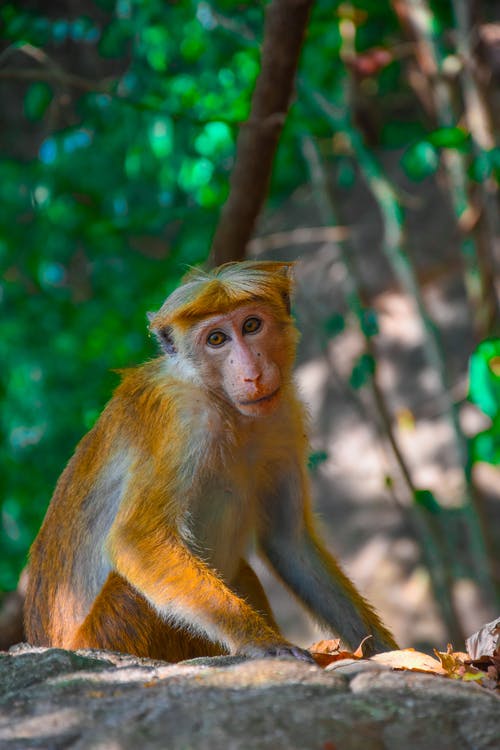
x: 199, y: 456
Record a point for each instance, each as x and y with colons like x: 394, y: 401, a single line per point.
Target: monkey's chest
x: 221, y: 522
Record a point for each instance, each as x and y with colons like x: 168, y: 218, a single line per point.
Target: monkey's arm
x: 290, y: 543
x: 184, y: 589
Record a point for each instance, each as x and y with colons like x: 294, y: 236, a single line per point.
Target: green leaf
x: 161, y: 137
x: 214, y: 140
x: 194, y: 43
x: 115, y: 38
x: 425, y: 499
x: 494, y: 156
x: 486, y: 445
x: 346, y: 174
x: 194, y: 173
x: 362, y: 372
x: 484, y: 377
x: 420, y: 161
x: 401, y: 133
x: 156, y: 44
x: 334, y: 325
x: 316, y: 459
x: 37, y: 99
x: 369, y: 323
x: 481, y: 167
x: 449, y: 138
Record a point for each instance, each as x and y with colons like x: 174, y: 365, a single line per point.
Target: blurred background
x: 118, y: 128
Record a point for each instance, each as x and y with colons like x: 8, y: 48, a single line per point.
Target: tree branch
x: 284, y: 30
x: 49, y: 71
x: 53, y: 76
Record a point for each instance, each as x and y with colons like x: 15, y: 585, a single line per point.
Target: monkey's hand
x: 191, y: 593
x: 278, y: 650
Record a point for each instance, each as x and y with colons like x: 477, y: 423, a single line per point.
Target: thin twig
x: 49, y: 70
x: 53, y: 76
x: 437, y: 564
x: 299, y: 236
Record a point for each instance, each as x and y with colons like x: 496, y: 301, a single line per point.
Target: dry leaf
x: 329, y: 646
x: 453, y: 662
x: 365, y: 648
x: 460, y: 666
x: 409, y: 659
x: 485, y: 641
x: 323, y: 660
x: 327, y: 651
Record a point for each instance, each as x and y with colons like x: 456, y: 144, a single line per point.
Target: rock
x: 54, y: 699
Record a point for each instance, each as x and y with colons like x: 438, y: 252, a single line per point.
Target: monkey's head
x: 232, y: 328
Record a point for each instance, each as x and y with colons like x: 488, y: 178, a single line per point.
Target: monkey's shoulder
x: 162, y: 412
x: 161, y: 385
x: 156, y: 400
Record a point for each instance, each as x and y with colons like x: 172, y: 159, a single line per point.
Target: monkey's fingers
x: 290, y: 651
x: 280, y: 649
x: 296, y: 652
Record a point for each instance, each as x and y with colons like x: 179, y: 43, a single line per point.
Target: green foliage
x: 449, y: 138
x: 420, y: 160
x: 426, y: 500
x: 484, y: 165
x: 316, y: 459
x: 334, y: 324
x: 368, y: 322
x: 121, y: 188
x: 37, y: 99
x: 484, y: 392
x: 363, y: 371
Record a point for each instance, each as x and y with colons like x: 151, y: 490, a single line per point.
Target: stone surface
x: 52, y: 698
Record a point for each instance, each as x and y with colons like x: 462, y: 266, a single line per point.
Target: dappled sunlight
x: 47, y: 725
x: 130, y: 135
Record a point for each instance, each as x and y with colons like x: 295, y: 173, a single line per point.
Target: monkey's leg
x: 247, y: 585
x: 121, y: 619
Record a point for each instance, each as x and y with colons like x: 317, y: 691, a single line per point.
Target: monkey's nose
x: 252, y: 378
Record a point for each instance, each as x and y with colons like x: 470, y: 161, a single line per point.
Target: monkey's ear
x: 286, y: 270
x: 166, y: 339
x: 287, y: 301
x: 150, y: 316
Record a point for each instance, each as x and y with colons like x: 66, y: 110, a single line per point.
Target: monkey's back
x: 68, y: 564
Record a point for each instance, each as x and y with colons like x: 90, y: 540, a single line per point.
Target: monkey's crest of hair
x: 220, y: 290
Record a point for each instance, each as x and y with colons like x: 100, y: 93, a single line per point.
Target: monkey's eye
x: 252, y: 325
x: 216, y: 338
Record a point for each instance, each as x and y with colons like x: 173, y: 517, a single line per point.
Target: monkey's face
x: 246, y: 355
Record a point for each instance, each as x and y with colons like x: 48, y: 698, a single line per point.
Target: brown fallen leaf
x: 411, y: 660
x: 453, y: 662
x: 327, y: 651
x: 327, y: 646
x: 459, y: 666
x: 323, y: 660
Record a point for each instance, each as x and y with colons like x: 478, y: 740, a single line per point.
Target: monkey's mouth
x: 261, y: 400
